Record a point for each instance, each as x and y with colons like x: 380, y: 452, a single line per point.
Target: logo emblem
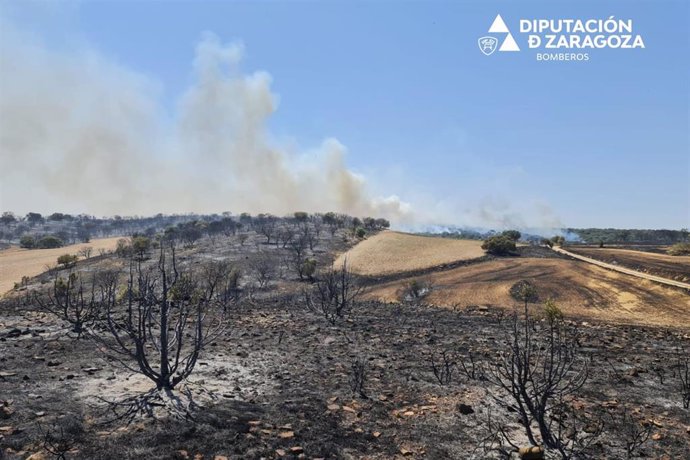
x: 487, y: 45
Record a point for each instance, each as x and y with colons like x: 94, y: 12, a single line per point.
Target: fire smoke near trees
x: 84, y: 134
x: 94, y: 136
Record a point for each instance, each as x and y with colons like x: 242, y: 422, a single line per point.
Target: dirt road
x: 627, y: 271
x: 663, y: 265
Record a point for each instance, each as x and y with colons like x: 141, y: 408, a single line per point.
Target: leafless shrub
x: 308, y: 235
x: 62, y: 437
x: 659, y: 370
x: 470, y: 367
x: 500, y: 315
x: 298, y: 259
x: 73, y: 302
x: 358, y: 377
x: 616, y: 375
x: 86, y: 252
x: 539, y: 371
x: 444, y: 368
x: 334, y: 294
x: 286, y: 235
x: 165, y: 322
x: 631, y: 431
x: 682, y: 366
x: 263, y: 266
x: 221, y: 281
x: 493, y: 438
x: 266, y: 226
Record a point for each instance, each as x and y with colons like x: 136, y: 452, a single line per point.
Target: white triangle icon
x: 509, y: 44
x: 498, y: 26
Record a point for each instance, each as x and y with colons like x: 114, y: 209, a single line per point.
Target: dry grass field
x: 392, y: 252
x: 16, y: 262
x: 579, y: 289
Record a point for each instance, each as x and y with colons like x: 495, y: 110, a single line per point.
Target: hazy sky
x: 462, y: 138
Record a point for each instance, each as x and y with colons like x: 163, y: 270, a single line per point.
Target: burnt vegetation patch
x: 228, y: 346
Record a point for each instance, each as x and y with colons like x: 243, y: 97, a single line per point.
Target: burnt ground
x: 672, y: 267
x: 276, y: 384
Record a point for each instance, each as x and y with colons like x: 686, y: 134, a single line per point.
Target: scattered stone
x: 281, y: 452
x: 531, y: 453
x: 220, y: 457
x: 287, y: 434
x: 408, y: 413
x: 13, y: 333
x: 53, y: 363
x: 465, y: 409
x: 405, y: 452
x: 657, y: 436
x: 296, y: 450
x: 333, y: 407
x: 376, y: 434
x: 4, y: 375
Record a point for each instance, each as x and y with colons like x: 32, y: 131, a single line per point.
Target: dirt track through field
x: 17, y: 262
x: 579, y: 289
x: 627, y: 271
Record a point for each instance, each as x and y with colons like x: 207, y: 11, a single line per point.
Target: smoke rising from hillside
x: 80, y: 132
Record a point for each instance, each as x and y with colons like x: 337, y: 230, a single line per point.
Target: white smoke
x: 80, y: 133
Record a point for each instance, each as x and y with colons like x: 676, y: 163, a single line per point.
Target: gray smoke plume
x: 80, y: 133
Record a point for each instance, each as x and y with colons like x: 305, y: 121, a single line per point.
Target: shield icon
x: 487, y: 45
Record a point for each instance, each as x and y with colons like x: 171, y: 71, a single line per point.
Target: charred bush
x: 443, y: 367
x: 358, y: 377
x: 539, y: 371
x: 334, y: 294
